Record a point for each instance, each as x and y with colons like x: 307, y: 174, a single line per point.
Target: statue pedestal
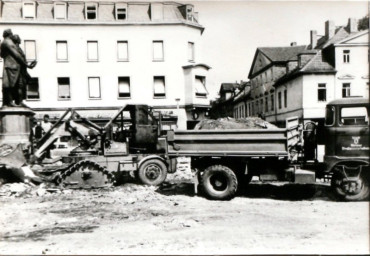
x: 15, y: 125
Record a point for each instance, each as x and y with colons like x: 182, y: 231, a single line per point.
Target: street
x: 136, y: 219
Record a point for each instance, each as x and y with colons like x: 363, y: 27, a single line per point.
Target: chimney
x: 329, y: 29
x: 313, y: 37
x: 293, y: 44
x: 352, y: 25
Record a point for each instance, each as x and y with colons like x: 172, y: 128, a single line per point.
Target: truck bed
x: 246, y: 142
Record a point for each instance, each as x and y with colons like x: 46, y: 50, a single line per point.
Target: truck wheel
x: 152, y: 172
x: 219, y: 182
x: 355, y: 191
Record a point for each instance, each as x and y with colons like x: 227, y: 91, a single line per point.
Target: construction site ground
x: 264, y: 218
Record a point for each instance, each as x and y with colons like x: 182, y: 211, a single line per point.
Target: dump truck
x: 227, y: 159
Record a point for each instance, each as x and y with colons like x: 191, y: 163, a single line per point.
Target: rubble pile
x: 227, y: 123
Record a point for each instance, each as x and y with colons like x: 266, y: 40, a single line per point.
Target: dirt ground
x: 137, y: 219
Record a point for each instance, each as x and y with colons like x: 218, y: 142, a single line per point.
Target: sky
x: 234, y: 29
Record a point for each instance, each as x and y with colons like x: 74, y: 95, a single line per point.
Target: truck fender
x: 151, y: 157
x: 359, y: 162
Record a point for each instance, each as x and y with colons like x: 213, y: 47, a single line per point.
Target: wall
x: 140, y: 68
x: 356, y: 72
x: 312, y: 107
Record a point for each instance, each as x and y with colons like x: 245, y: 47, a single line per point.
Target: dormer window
x: 60, y: 11
x: 91, y: 11
x: 29, y: 10
x: 189, y: 13
x: 121, y: 11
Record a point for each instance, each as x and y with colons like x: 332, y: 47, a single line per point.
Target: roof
x: 138, y: 12
x: 316, y: 65
x: 350, y: 101
x: 229, y: 87
x: 276, y: 55
x: 282, y: 54
x: 340, y: 34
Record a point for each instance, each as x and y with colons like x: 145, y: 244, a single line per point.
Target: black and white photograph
x: 214, y: 127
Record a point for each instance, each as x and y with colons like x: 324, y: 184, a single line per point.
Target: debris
x: 231, y: 123
x: 14, y: 189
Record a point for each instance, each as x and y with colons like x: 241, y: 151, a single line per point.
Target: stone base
x: 15, y: 126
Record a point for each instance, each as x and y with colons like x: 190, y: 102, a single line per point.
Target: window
x: 321, y: 92
x: 189, y: 13
x: 91, y: 11
x: 94, y: 87
x: 62, y: 51
x: 261, y: 105
x: 60, y: 11
x: 190, y: 51
x: 346, y: 56
x: 329, y: 115
x: 279, y: 99
x: 285, y: 98
x: 266, y: 105
x: 92, y: 51
x: 272, y: 102
x: 159, y: 87
x: 121, y: 11
x: 256, y: 108
x: 158, y: 51
x: 1, y: 86
x: 124, y: 87
x: 64, y: 92
x: 354, y: 116
x: 33, y: 89
x: 346, y: 90
x: 30, y: 49
x: 200, y: 86
x: 29, y: 10
x: 122, y: 51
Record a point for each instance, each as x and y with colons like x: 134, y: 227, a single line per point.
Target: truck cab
x: 347, y: 146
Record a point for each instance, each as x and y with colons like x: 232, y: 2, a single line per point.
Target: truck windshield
x: 354, y: 116
x: 329, y: 116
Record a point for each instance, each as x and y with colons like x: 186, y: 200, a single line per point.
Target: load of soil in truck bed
x: 226, y: 123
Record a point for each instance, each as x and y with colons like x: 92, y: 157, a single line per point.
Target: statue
x: 15, y: 75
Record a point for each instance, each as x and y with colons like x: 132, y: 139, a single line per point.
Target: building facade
x: 336, y: 66
x: 98, y: 56
x: 303, y: 79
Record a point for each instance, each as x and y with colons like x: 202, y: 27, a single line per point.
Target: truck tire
x: 219, y: 182
x: 152, y: 172
x: 361, y: 193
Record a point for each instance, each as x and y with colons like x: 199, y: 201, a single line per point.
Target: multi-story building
x: 97, y: 56
x: 303, y: 79
x: 269, y: 64
x: 223, y: 106
x: 336, y: 66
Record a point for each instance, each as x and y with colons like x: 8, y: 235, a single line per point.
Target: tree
x: 363, y: 23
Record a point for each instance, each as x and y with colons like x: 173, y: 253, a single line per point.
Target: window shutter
x: 62, y: 52
x: 60, y: 11
x: 158, y: 50
x: 94, y: 87
x: 92, y: 50
x: 122, y: 50
x: 30, y: 50
x: 200, y: 88
x: 159, y: 86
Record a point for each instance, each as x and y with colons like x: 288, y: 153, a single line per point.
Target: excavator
x: 132, y: 141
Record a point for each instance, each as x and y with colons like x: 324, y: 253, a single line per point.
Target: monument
x: 15, y: 116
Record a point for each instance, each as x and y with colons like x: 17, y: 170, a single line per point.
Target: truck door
x: 352, y: 133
